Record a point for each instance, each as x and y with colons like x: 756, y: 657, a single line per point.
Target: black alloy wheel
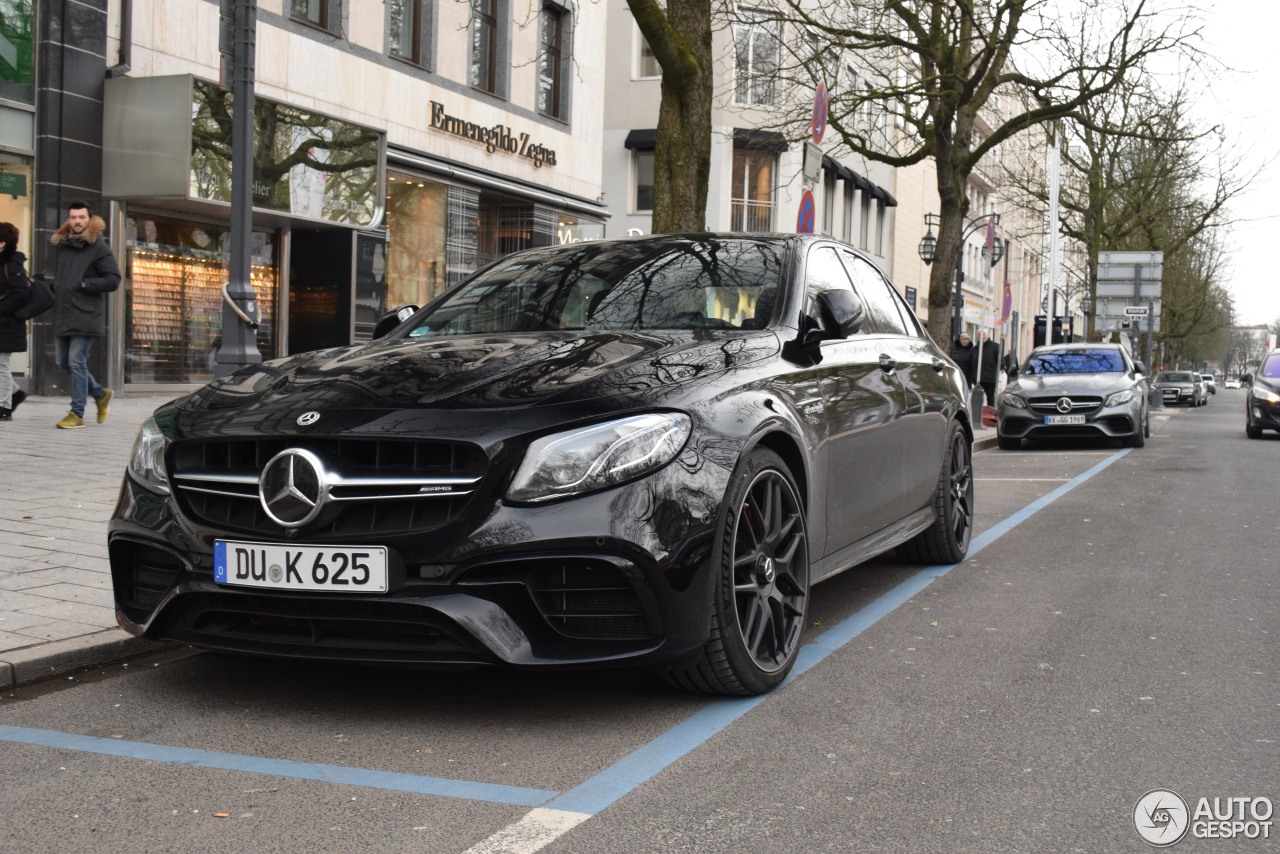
x: 763, y: 589
x: 946, y: 541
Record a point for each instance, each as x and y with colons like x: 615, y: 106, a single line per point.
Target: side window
x: 877, y: 296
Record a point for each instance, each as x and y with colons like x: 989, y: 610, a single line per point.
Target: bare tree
x: 679, y: 33
x: 936, y: 69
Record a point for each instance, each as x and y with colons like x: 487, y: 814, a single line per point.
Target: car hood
x: 1057, y: 384
x: 484, y: 372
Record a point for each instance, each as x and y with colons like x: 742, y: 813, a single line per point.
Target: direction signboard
x: 1135, y: 311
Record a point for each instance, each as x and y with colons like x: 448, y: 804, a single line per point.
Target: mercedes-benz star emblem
x: 293, y: 487
x: 306, y: 419
x: 1064, y: 404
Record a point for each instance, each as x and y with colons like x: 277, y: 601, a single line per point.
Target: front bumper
x: 1111, y: 421
x: 622, y: 576
x: 1261, y: 414
x: 1177, y: 396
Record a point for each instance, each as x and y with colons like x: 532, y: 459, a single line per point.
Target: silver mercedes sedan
x: 1075, y: 390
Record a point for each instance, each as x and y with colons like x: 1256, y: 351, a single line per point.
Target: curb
x: 33, y: 663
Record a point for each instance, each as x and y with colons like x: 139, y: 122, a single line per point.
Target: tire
x: 1146, y: 424
x: 762, y: 593
x: 1007, y: 443
x: 947, y: 540
x: 1252, y: 432
x: 1137, y: 440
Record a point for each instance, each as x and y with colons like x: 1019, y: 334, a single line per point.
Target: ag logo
x: 1161, y: 817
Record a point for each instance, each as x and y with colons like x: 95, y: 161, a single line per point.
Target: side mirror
x: 842, y: 313
x: 392, y: 319
x: 1139, y: 368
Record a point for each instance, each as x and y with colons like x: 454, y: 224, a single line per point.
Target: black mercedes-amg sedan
x: 618, y: 452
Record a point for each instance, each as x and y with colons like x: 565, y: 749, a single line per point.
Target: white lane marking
x: 1021, y: 479
x: 532, y: 833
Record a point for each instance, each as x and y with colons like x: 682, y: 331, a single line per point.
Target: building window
x: 484, y: 45
x: 644, y: 181
x: 408, y: 30
x: 751, y: 196
x: 551, y: 60
x: 315, y: 12
x: 646, y: 62
x: 756, y: 49
x: 864, y: 224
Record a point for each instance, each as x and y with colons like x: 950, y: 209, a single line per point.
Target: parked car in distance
x: 616, y: 452
x: 1232, y: 383
x: 1262, y: 402
x: 1180, y: 388
x: 1075, y: 390
x: 1210, y: 383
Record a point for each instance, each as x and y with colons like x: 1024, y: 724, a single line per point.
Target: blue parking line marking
x: 337, y: 774
x: 625, y: 775
x: 605, y: 788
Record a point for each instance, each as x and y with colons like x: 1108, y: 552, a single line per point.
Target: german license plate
x: 1064, y: 419
x: 280, y: 566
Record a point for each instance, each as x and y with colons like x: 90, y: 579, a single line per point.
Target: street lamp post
x: 1086, y: 305
x: 993, y: 252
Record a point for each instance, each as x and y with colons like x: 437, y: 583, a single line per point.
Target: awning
x: 642, y: 140
x: 759, y: 140
x: 844, y: 172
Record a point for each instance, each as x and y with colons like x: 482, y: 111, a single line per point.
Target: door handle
x: 938, y: 364
x: 888, y: 364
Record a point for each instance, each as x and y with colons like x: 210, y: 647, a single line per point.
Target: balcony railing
x: 750, y: 216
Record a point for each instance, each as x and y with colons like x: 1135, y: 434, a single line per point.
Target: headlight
x: 1265, y: 394
x: 147, y: 461
x: 598, y: 456
x: 1013, y: 401
x: 1119, y: 398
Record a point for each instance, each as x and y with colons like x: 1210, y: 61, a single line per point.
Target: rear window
x: 1174, y: 377
x: 1075, y: 362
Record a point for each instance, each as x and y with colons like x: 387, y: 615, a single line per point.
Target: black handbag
x: 38, y: 301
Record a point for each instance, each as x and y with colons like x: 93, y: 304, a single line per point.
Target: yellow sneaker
x: 104, y: 403
x: 70, y: 421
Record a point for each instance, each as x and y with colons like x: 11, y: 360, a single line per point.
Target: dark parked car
x: 1065, y: 390
x: 617, y: 452
x: 1262, y: 400
x: 1181, y: 387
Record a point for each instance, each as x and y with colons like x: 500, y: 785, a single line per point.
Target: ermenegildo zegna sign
x: 496, y: 138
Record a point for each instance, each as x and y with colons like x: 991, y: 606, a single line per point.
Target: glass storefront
x: 417, y: 225
x: 15, y: 208
x: 174, y: 274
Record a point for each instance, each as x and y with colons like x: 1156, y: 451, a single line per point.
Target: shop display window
x: 417, y: 214
x: 174, y: 276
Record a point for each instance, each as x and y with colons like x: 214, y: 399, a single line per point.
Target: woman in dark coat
x: 15, y: 290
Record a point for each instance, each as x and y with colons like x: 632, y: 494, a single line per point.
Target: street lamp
x: 1086, y: 305
x: 993, y: 253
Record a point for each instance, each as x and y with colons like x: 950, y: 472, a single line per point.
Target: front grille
x: 143, y: 574
x: 1079, y: 404
x: 583, y: 598
x: 376, y: 486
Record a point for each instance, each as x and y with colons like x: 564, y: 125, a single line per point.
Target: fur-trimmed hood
x: 92, y: 231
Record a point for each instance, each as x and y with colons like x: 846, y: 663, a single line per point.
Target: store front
x: 317, y: 198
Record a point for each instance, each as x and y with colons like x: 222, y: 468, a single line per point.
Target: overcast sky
x: 1242, y: 33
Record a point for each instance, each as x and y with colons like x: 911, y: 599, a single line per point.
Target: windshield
x: 1174, y: 377
x: 1075, y: 362
x: 1271, y: 367
x: 694, y: 283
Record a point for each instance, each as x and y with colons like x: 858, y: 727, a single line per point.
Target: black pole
x: 240, y: 312
x: 957, y: 319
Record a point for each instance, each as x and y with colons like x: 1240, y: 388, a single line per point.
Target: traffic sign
x: 804, y: 220
x: 819, y: 125
x: 1135, y: 311
x: 1006, y: 306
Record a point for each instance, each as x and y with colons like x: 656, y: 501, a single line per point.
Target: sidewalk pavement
x: 56, y: 608
x: 59, y: 488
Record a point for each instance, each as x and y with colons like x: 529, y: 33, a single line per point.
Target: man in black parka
x: 84, y: 271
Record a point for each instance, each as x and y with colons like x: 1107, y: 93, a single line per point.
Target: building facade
x: 399, y: 145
